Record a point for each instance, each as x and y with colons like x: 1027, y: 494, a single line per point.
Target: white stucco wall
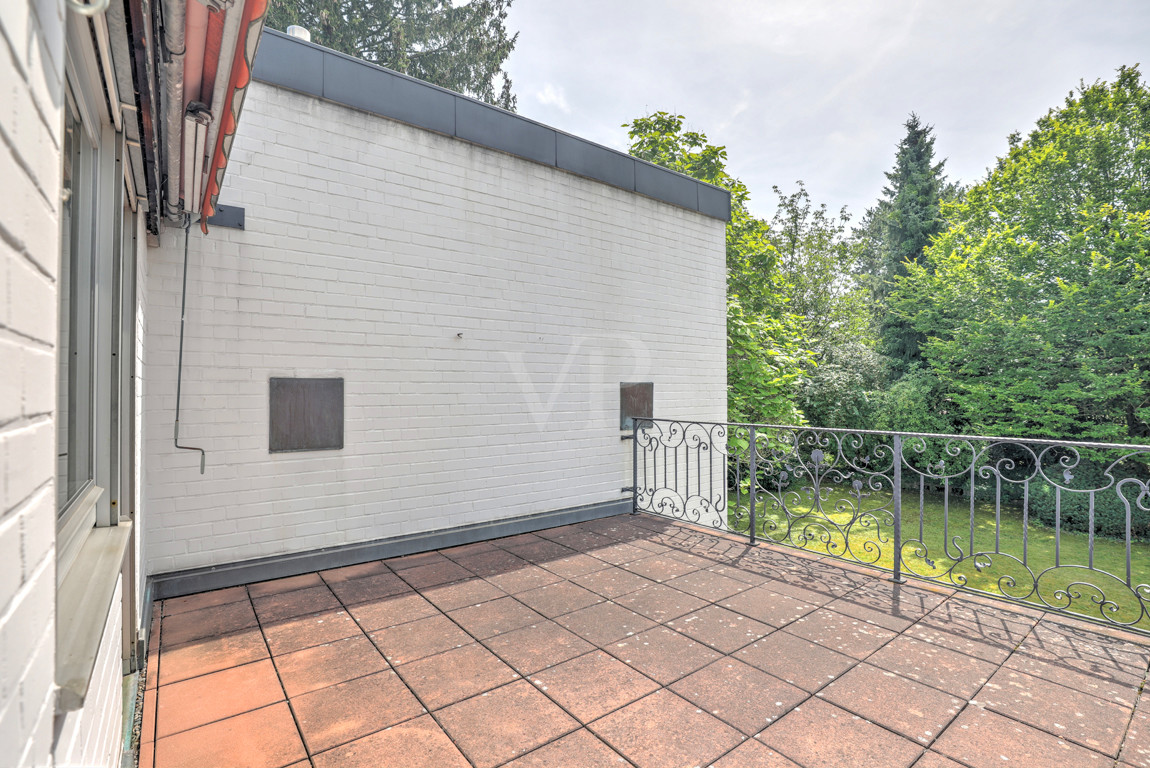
x: 481, y: 308
x: 31, y: 89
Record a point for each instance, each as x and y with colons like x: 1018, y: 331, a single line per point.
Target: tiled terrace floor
x: 630, y: 640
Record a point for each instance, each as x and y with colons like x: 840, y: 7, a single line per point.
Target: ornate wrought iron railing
x: 1060, y: 526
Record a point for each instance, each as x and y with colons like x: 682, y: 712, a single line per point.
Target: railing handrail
x: 933, y: 435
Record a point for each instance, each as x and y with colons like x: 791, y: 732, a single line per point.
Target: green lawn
x: 997, y: 571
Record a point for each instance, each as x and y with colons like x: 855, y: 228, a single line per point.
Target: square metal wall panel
x: 636, y: 401
x: 305, y: 415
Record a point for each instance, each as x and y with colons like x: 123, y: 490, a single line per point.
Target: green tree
x: 816, y: 261
x: 461, y: 48
x: 766, y: 354
x: 1035, y: 301
x: 906, y: 218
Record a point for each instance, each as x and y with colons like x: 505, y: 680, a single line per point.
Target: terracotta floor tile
x: 1103, y: 653
x: 211, y: 654
x: 1079, y: 717
x: 799, y: 662
x: 577, y: 564
x: 592, y: 685
x: 983, y: 739
x: 806, y: 591
x: 328, y: 664
x: 605, y: 623
x: 418, y: 743
x: 196, y: 602
x: 300, y: 602
x: 911, y: 709
x: 472, y: 591
x: 665, y: 731
x: 495, y: 727
x: 1121, y: 690
x: 935, y: 760
x: 487, y: 564
x: 821, y: 734
x: 753, y: 754
x: 611, y: 582
x: 369, y: 588
x: 541, y: 551
x: 192, y: 703
x: 344, y: 712
x: 662, y: 654
x: 206, y: 622
x: 935, y: 666
x: 659, y: 568
x: 845, y: 634
x: 890, y: 605
x: 723, y: 630
x: 148, y: 717
x: 739, y: 574
x: 580, y: 749
x: 660, y: 602
x: 708, y: 585
x: 956, y: 639
x: 358, y: 571
x: 740, y: 695
x: 467, y: 550
x: 455, y: 675
x: 264, y: 738
x: 289, y: 584
x: 768, y: 606
x: 523, y: 579
x: 392, y: 610
x: 419, y: 639
x: 557, y: 599
x: 398, y: 564
x: 424, y: 576
x: 620, y: 553
x: 1136, y: 746
x: 538, y: 646
x: 495, y: 617
x: 290, y: 635
x: 980, y: 623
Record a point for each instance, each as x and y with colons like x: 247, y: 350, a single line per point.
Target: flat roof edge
x: 311, y: 69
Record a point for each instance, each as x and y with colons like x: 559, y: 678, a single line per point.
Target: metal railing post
x: 897, y: 481
x: 634, y: 466
x: 754, y: 482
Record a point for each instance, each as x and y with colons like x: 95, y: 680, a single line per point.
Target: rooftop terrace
x: 631, y: 640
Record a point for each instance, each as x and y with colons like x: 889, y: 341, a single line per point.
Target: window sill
x: 82, y: 604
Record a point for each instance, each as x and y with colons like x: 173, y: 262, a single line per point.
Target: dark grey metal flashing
x: 178, y: 583
x: 289, y: 62
x: 231, y: 216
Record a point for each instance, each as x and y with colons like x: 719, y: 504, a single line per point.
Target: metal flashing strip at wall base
x: 176, y: 584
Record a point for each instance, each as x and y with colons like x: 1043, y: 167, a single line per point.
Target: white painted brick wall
x: 31, y: 98
x: 90, y: 737
x: 369, y: 247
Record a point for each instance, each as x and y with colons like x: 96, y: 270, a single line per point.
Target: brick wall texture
x: 482, y: 310
x: 31, y: 92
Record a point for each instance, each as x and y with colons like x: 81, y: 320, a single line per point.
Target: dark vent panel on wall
x: 305, y: 415
x: 636, y: 401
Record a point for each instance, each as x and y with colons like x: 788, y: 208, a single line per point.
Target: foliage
x: 845, y: 389
x: 765, y: 361
x: 1036, y: 298
x: 461, y: 48
x: 815, y: 265
x: 917, y: 402
x: 898, y: 229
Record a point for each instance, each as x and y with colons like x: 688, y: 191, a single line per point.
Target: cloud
x: 551, y: 96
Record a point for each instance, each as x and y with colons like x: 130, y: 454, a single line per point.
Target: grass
x: 992, y: 574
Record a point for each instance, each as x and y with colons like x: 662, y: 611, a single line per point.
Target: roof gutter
x: 172, y: 42
x: 247, y: 42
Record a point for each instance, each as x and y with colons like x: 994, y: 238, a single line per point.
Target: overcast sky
x: 819, y: 90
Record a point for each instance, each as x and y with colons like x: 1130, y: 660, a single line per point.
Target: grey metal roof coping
x: 289, y: 62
